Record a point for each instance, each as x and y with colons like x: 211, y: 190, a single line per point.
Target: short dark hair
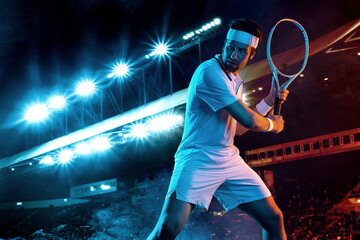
x: 248, y: 26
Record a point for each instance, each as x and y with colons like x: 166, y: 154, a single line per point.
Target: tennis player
x: 207, y: 163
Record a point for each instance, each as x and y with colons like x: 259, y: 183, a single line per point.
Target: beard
x: 231, y: 66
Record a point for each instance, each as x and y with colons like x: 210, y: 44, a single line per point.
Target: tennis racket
x: 287, y: 51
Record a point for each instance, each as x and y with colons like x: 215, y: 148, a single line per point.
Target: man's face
x: 235, y: 55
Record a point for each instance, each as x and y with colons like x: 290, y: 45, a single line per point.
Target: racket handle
x: 277, y: 106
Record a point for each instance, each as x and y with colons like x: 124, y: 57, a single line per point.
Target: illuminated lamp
x: 85, y: 88
x: 65, y: 156
x: 139, y: 130
x: 100, y: 143
x: 82, y: 148
x: 165, y: 122
x: 36, y: 113
x: 119, y: 70
x: 57, y: 102
x: 161, y: 49
x: 47, y: 160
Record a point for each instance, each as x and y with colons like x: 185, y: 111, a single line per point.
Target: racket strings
x: 288, y: 48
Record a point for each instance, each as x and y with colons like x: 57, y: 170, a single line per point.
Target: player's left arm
x: 270, y: 100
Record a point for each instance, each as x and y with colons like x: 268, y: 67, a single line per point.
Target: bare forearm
x: 241, y: 129
x: 260, y: 123
x: 264, y: 107
x: 248, y: 118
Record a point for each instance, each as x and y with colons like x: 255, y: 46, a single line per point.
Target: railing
x: 306, y: 148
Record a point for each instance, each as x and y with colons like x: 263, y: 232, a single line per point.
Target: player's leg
x: 268, y: 215
x: 173, y: 217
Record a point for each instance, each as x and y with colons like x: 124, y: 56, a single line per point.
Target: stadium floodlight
x: 155, y: 107
x: 82, y: 148
x: 85, y: 87
x: 119, y: 70
x: 164, y: 122
x: 203, y: 29
x: 47, y: 160
x: 36, y: 113
x: 161, y: 49
x: 65, y: 156
x: 57, y: 102
x: 139, y: 130
x: 92, y: 188
x: 104, y: 187
x: 100, y: 143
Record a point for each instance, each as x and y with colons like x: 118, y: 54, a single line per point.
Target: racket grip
x: 277, y: 106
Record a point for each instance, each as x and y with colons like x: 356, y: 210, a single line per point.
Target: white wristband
x: 271, y: 125
x: 262, y: 107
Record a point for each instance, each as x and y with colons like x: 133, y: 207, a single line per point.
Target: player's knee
x: 170, y: 230
x: 165, y: 231
x: 166, y: 228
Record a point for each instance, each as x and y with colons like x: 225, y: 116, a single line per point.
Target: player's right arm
x: 214, y: 88
x: 252, y: 120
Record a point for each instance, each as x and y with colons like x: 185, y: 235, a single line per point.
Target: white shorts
x: 232, y: 186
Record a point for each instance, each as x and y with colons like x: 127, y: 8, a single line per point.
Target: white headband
x: 242, y: 37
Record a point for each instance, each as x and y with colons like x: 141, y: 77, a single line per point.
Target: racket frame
x: 275, y: 71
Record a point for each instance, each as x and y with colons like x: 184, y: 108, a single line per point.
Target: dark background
x: 47, y: 46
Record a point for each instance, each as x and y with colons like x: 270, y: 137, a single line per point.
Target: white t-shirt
x: 209, y: 130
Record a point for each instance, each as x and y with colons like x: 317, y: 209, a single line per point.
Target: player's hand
x: 270, y: 99
x: 278, y: 122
